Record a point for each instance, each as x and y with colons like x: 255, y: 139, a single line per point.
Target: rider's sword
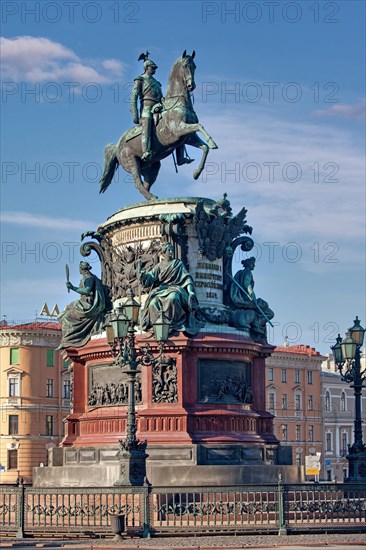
x: 251, y: 299
x: 67, y: 276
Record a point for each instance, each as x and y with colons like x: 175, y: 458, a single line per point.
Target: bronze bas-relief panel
x: 108, y: 385
x: 224, y: 381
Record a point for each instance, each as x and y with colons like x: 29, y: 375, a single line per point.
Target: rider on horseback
x: 178, y: 126
x: 148, y: 90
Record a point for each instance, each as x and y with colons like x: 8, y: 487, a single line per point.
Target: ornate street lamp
x: 121, y: 332
x: 347, y: 356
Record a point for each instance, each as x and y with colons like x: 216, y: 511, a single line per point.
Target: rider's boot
x: 146, y: 139
x: 181, y: 158
x: 184, y: 160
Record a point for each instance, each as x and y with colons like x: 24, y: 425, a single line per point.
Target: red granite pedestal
x: 185, y: 421
x: 189, y: 441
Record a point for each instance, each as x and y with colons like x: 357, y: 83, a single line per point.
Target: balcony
x: 12, y: 401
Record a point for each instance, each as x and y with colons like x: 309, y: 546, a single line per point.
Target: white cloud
x: 305, y: 211
x: 356, y: 110
x: 44, y: 222
x: 113, y: 65
x: 30, y: 58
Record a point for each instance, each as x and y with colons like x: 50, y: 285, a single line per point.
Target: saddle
x: 136, y: 130
x: 132, y: 133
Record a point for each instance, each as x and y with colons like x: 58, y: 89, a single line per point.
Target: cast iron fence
x: 277, y: 508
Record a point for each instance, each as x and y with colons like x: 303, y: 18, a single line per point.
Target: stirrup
x: 185, y: 160
x: 147, y: 155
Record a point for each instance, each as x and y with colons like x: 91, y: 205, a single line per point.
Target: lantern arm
x: 347, y: 375
x: 351, y: 371
x: 147, y: 358
x: 363, y: 375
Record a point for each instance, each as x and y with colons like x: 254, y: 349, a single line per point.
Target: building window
x: 344, y: 444
x: 310, y: 376
x: 310, y: 403
x: 14, y: 387
x: 50, y: 362
x: 13, y: 459
x: 66, y: 389
x: 298, y: 432
x: 14, y: 356
x: 13, y: 424
x: 327, y: 401
x: 329, y: 475
x: 271, y: 401
x: 270, y: 375
x: 284, y: 432
x: 49, y: 424
x: 283, y: 375
x: 50, y: 392
x: 343, y: 401
x: 284, y: 402
x: 297, y: 402
x: 345, y: 474
x: 297, y: 376
x: 311, y: 433
x: 298, y: 459
x: 328, y: 441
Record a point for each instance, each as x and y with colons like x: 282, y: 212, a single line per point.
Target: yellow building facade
x: 35, y: 396
x: 294, y: 397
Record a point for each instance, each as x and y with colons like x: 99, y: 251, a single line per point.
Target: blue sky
x: 280, y: 87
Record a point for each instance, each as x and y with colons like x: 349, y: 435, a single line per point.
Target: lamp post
x: 347, y: 356
x: 121, y: 336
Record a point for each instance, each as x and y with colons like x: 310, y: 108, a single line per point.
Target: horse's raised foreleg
x: 184, y: 129
x: 195, y: 141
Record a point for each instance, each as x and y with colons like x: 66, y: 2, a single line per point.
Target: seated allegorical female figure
x: 172, y: 294
x: 80, y: 318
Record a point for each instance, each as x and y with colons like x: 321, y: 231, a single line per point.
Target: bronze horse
x: 178, y: 125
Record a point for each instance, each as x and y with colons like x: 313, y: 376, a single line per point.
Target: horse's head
x: 182, y: 74
x: 188, y: 67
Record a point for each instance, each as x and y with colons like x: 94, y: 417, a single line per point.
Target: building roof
x: 298, y: 349
x: 30, y: 325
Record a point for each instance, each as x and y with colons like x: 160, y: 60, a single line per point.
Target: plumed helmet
x: 147, y: 62
x: 150, y: 63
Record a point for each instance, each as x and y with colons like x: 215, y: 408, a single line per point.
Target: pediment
x: 14, y: 371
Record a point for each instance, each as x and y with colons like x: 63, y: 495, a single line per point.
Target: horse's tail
x: 110, y: 166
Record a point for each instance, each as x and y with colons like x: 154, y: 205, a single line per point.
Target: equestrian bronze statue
x: 172, y: 125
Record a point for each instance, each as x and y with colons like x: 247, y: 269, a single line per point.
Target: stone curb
x: 121, y: 545
x: 208, y: 543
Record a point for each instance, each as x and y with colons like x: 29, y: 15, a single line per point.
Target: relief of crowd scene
x: 113, y: 394
x: 229, y: 389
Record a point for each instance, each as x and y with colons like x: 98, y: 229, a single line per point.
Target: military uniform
x: 148, y: 90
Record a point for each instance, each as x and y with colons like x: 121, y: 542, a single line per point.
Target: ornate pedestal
x: 357, y: 465
x: 201, y: 407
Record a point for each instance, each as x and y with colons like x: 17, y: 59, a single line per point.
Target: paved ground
x: 294, y: 542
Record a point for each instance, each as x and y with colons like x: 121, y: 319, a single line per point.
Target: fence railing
x: 278, y: 508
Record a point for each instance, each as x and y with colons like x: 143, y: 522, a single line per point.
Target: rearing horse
x: 177, y: 126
